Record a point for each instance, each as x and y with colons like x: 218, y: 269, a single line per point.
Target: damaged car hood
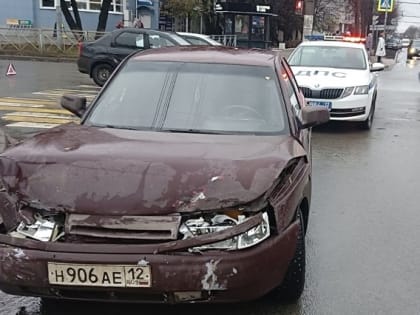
x: 122, y: 172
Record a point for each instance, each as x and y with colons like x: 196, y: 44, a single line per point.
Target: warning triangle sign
x: 11, y: 70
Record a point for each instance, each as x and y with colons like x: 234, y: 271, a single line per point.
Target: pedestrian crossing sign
x: 385, y: 5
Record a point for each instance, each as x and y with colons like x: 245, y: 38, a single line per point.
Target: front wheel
x: 367, y: 124
x: 101, y: 73
x: 294, y: 282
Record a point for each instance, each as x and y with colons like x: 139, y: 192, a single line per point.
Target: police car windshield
x: 329, y: 57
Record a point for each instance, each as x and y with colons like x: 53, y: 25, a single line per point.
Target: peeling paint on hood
x: 96, y: 170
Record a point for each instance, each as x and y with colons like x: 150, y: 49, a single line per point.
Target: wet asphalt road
x: 362, y: 244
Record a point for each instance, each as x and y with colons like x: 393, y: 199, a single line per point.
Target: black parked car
x: 101, y: 57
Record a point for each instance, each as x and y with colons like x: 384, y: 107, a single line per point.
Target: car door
x: 126, y: 42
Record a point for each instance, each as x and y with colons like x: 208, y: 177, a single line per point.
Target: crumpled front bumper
x: 177, y: 277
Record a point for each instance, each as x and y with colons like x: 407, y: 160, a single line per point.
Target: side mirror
x: 314, y: 115
x: 377, y: 66
x: 74, y: 104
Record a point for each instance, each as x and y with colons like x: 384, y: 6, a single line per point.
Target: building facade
x: 43, y: 13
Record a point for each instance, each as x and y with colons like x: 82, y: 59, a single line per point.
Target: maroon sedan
x: 188, y: 180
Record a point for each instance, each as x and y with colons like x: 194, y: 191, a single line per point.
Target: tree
x: 103, y: 17
x: 184, y: 8
x: 74, y: 22
x: 327, y: 15
x: 412, y: 32
x: 286, y: 22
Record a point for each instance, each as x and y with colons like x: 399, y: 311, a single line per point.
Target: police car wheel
x: 367, y: 124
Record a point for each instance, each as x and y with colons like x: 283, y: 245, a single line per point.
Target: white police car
x: 338, y: 75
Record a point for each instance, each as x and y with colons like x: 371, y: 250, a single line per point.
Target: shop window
x: 258, y: 28
x: 242, y: 26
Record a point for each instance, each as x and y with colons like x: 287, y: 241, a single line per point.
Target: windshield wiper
x: 198, y: 131
x: 121, y: 127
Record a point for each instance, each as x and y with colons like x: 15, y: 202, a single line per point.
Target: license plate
x: 117, y: 276
x: 316, y: 103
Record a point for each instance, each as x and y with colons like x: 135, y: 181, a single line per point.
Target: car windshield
x: 329, y: 56
x: 192, y: 97
x: 179, y: 39
x: 201, y: 41
x: 416, y: 43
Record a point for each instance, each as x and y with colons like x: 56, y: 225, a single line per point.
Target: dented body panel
x: 217, y: 276
x: 212, y: 217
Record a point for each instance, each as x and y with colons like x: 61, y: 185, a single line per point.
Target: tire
x: 294, y: 282
x: 368, y: 123
x: 101, y: 73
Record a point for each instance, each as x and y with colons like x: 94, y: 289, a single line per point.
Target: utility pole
x: 308, y: 17
x: 385, y: 22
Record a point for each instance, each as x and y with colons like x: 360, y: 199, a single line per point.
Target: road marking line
x: 74, y: 91
x: 90, y: 86
x: 11, y: 104
x: 32, y: 125
x: 28, y: 100
x: 55, y: 95
x: 38, y: 119
x: 40, y: 115
x: 33, y: 109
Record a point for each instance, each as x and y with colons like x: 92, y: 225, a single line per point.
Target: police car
x: 336, y: 73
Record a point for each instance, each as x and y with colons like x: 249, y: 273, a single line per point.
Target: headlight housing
x: 347, y: 91
x: 356, y: 90
x: 219, y: 222
x: 360, y: 90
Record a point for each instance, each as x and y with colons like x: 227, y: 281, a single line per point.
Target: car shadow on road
x: 339, y: 127
x: 263, y: 306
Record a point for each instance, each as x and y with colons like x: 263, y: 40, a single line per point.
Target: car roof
x: 210, y: 54
x: 141, y: 30
x: 332, y: 43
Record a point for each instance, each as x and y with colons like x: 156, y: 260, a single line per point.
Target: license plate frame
x: 99, y: 275
x: 321, y: 103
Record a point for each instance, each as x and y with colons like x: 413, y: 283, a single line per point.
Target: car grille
x: 329, y: 94
x: 347, y: 112
x: 123, y: 228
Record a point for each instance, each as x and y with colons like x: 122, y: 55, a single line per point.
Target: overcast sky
x: 412, y: 10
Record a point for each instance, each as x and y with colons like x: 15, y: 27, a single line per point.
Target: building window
x: 47, y: 3
x: 84, y: 5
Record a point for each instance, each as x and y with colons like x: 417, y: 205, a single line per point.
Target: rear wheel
x: 101, y: 73
x: 292, y: 287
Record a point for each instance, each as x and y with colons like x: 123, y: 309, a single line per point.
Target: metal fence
x: 41, y: 41
x: 227, y: 40
x: 21, y: 41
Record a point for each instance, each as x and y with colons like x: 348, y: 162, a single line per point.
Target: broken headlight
x: 219, y: 222
x: 38, y: 227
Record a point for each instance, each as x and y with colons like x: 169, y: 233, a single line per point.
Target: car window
x: 157, y: 41
x: 329, y: 56
x: 178, y: 39
x: 192, y: 96
x: 291, y: 91
x: 416, y: 43
x: 197, y: 41
x: 129, y: 39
